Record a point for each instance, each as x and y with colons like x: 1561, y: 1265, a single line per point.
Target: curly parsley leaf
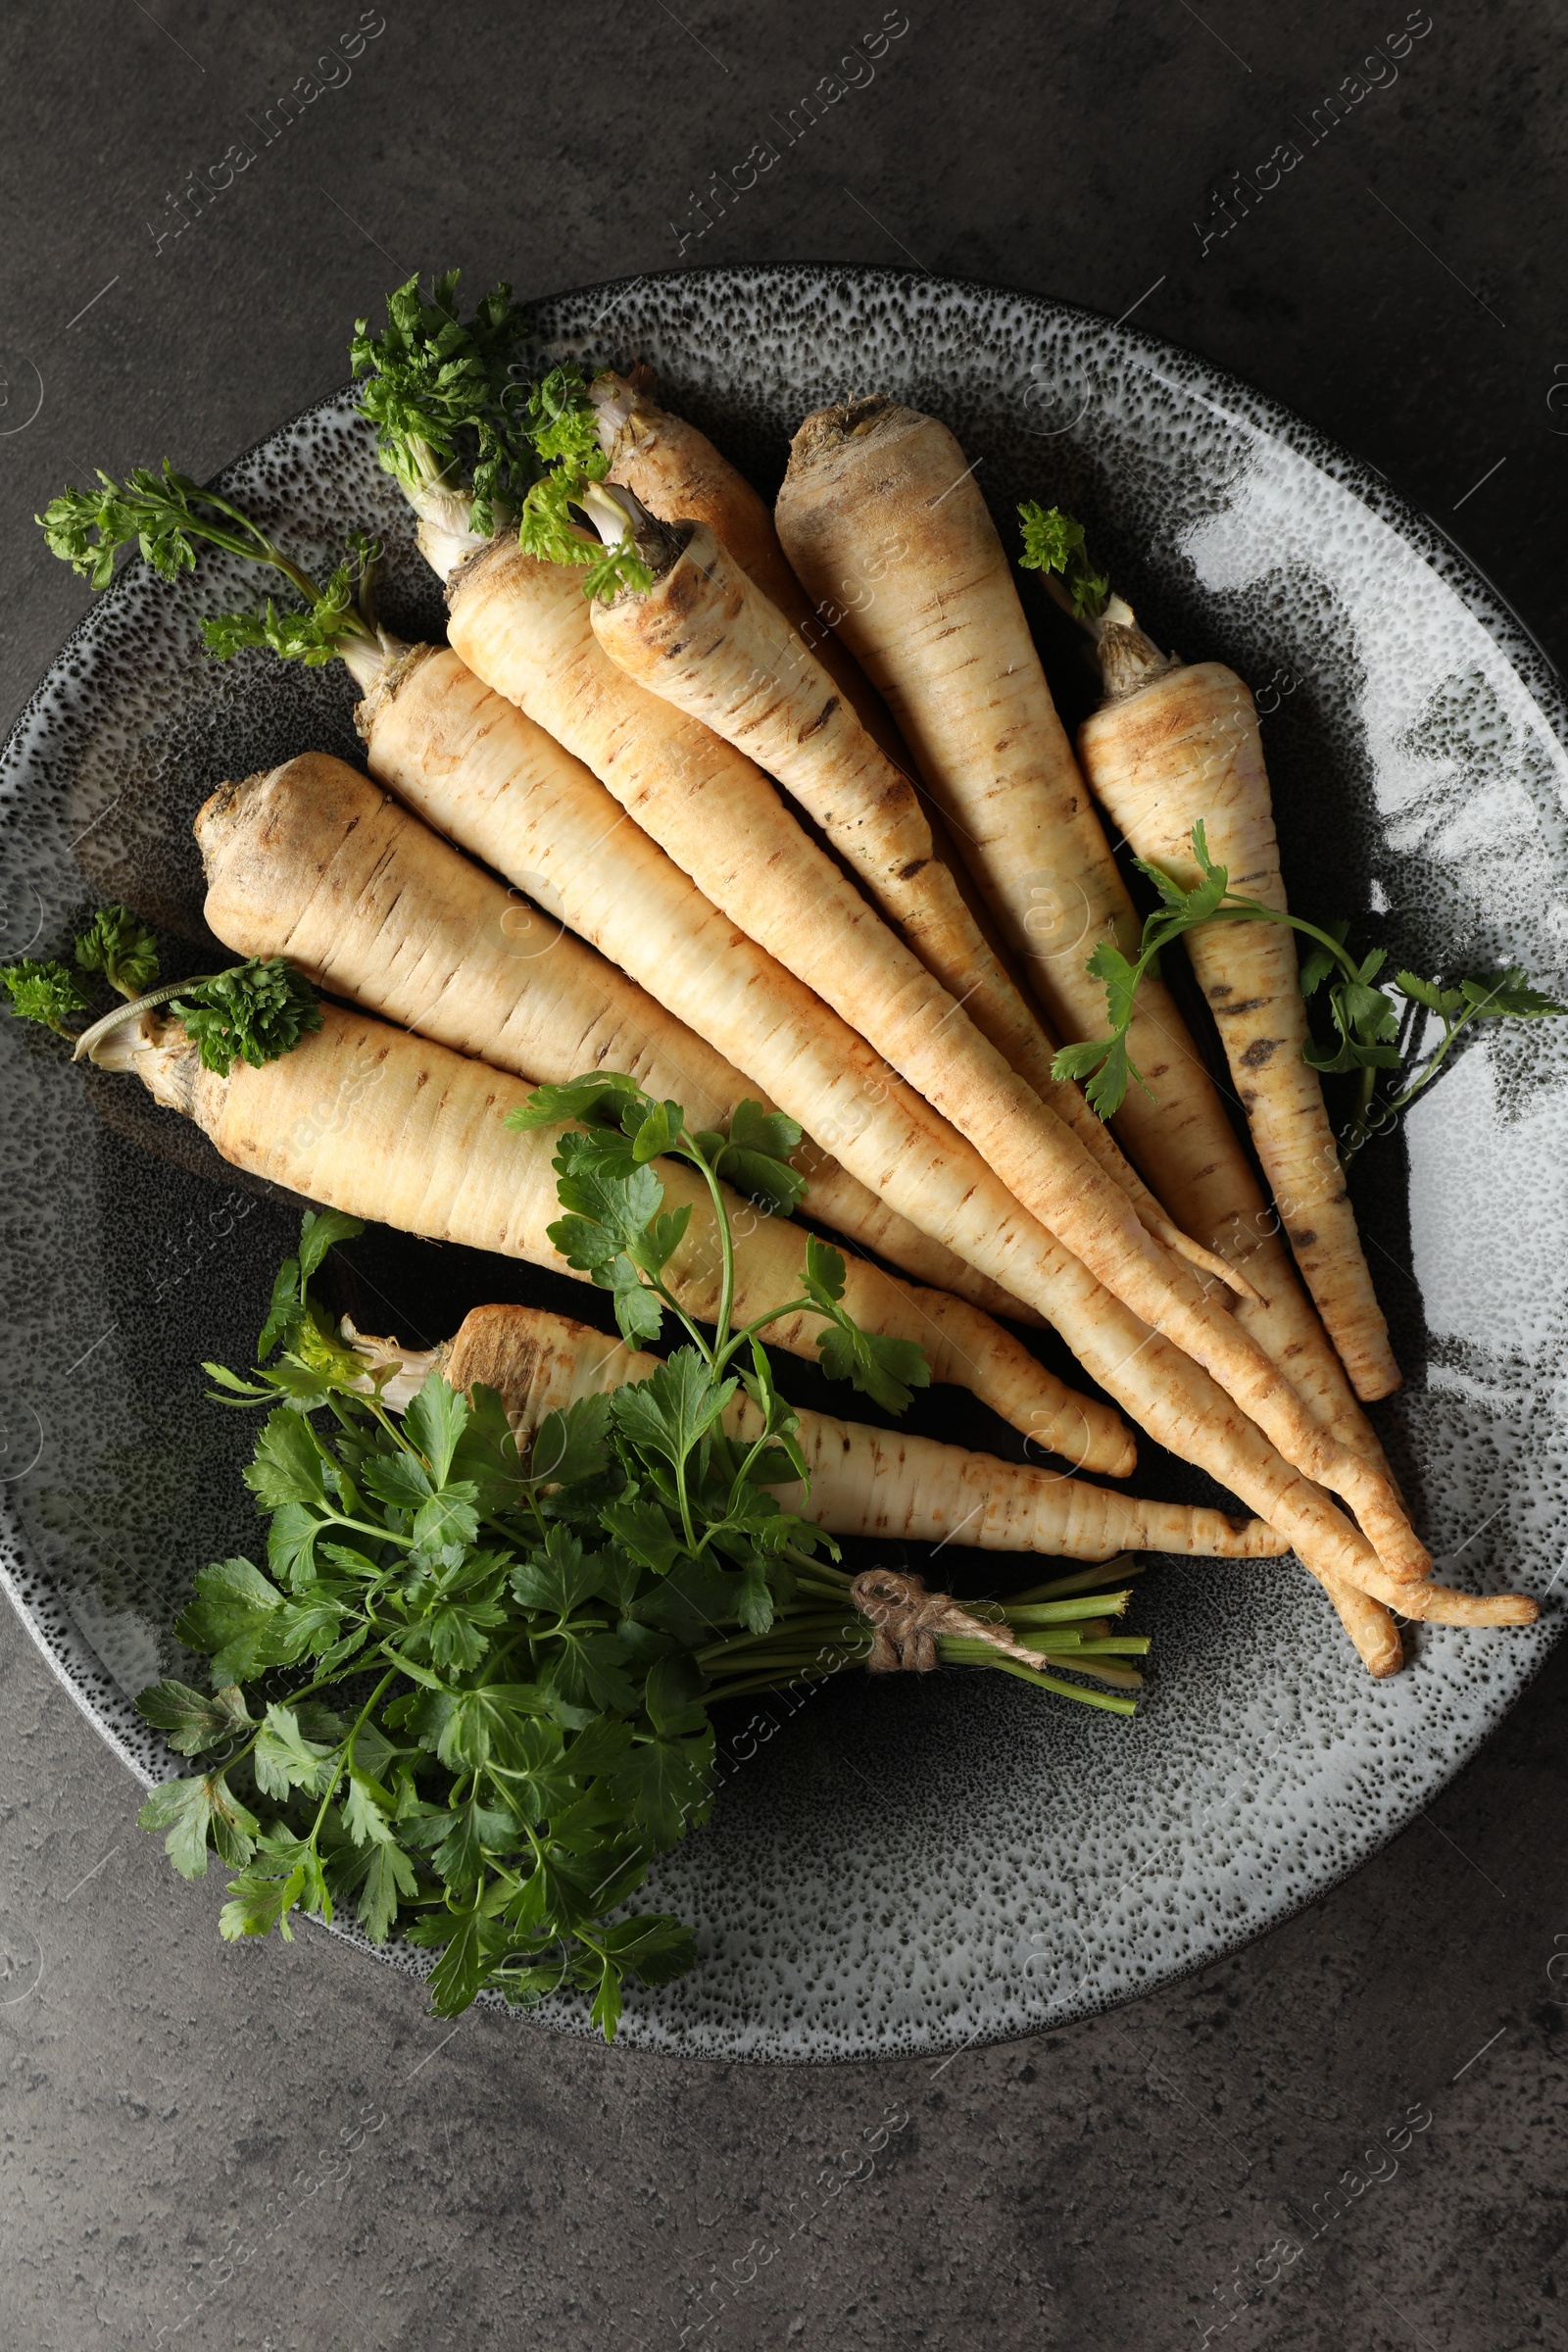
x: 256, y: 1012
x: 438, y: 391
x: 561, y: 425
x: 119, y: 945
x: 169, y: 517
x: 165, y: 514
x: 45, y: 991
x: 1054, y: 543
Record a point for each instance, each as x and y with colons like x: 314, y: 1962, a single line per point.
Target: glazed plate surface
x: 919, y: 1863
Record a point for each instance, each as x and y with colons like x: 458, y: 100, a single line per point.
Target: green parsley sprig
x: 1367, y: 1023
x: 1054, y: 544
x: 115, y: 943
x: 436, y: 390
x: 118, y: 943
x: 560, y: 423
x: 253, y: 1013
x: 168, y: 517
x: 454, y: 424
x: 616, y: 1230
x: 468, y: 1694
x: 45, y: 990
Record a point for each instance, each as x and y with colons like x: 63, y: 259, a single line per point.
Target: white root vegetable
x: 484, y: 774
x: 881, y: 509
x: 312, y: 861
x: 1178, y: 745
x: 707, y: 639
x: 392, y: 1128
x: 864, y: 1481
x: 522, y: 626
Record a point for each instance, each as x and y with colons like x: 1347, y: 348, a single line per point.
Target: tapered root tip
x: 1434, y: 1604
x: 1207, y: 1261
x: 1103, y: 1448
x: 1513, y: 1609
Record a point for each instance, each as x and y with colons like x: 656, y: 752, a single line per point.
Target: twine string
x: 906, y: 1622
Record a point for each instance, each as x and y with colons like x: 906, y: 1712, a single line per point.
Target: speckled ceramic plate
x: 911, y: 1865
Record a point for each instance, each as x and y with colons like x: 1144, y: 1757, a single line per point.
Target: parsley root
x: 1182, y: 749
x: 377, y: 1125
x: 864, y: 1481
x: 678, y: 475
x: 880, y: 508
x: 530, y: 614
x: 381, y: 909
x: 483, y: 773
x: 542, y: 1363
x: 705, y: 637
x: 522, y: 626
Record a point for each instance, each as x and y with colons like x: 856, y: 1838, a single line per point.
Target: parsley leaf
x: 1054, y: 543
x: 257, y: 1013
x: 47, y: 992
x: 1366, y: 1021
x: 168, y: 514
x: 193, y: 1722
x: 881, y: 1367
x: 121, y: 947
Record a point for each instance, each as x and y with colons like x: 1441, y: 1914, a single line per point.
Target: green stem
x: 809, y: 1565
x: 1031, y: 1614
x: 1108, y: 1700
x: 363, y: 1526
x: 1087, y: 1580
x: 256, y: 547
x: 757, y: 1685
x: 688, y: 1525
x: 726, y: 1261
x: 1360, y: 1129
x: 775, y: 1314
x: 1429, y: 1068
x: 346, y: 1756
x: 675, y: 1307
x: 795, y: 1635
x: 1366, y: 1086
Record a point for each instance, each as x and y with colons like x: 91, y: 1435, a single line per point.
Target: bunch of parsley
x: 469, y: 1692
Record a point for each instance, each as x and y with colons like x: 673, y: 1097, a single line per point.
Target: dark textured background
x: 167, y: 2100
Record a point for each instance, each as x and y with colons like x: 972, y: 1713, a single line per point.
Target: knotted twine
x: 906, y: 1621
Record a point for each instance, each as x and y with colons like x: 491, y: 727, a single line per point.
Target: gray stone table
x: 167, y: 2100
